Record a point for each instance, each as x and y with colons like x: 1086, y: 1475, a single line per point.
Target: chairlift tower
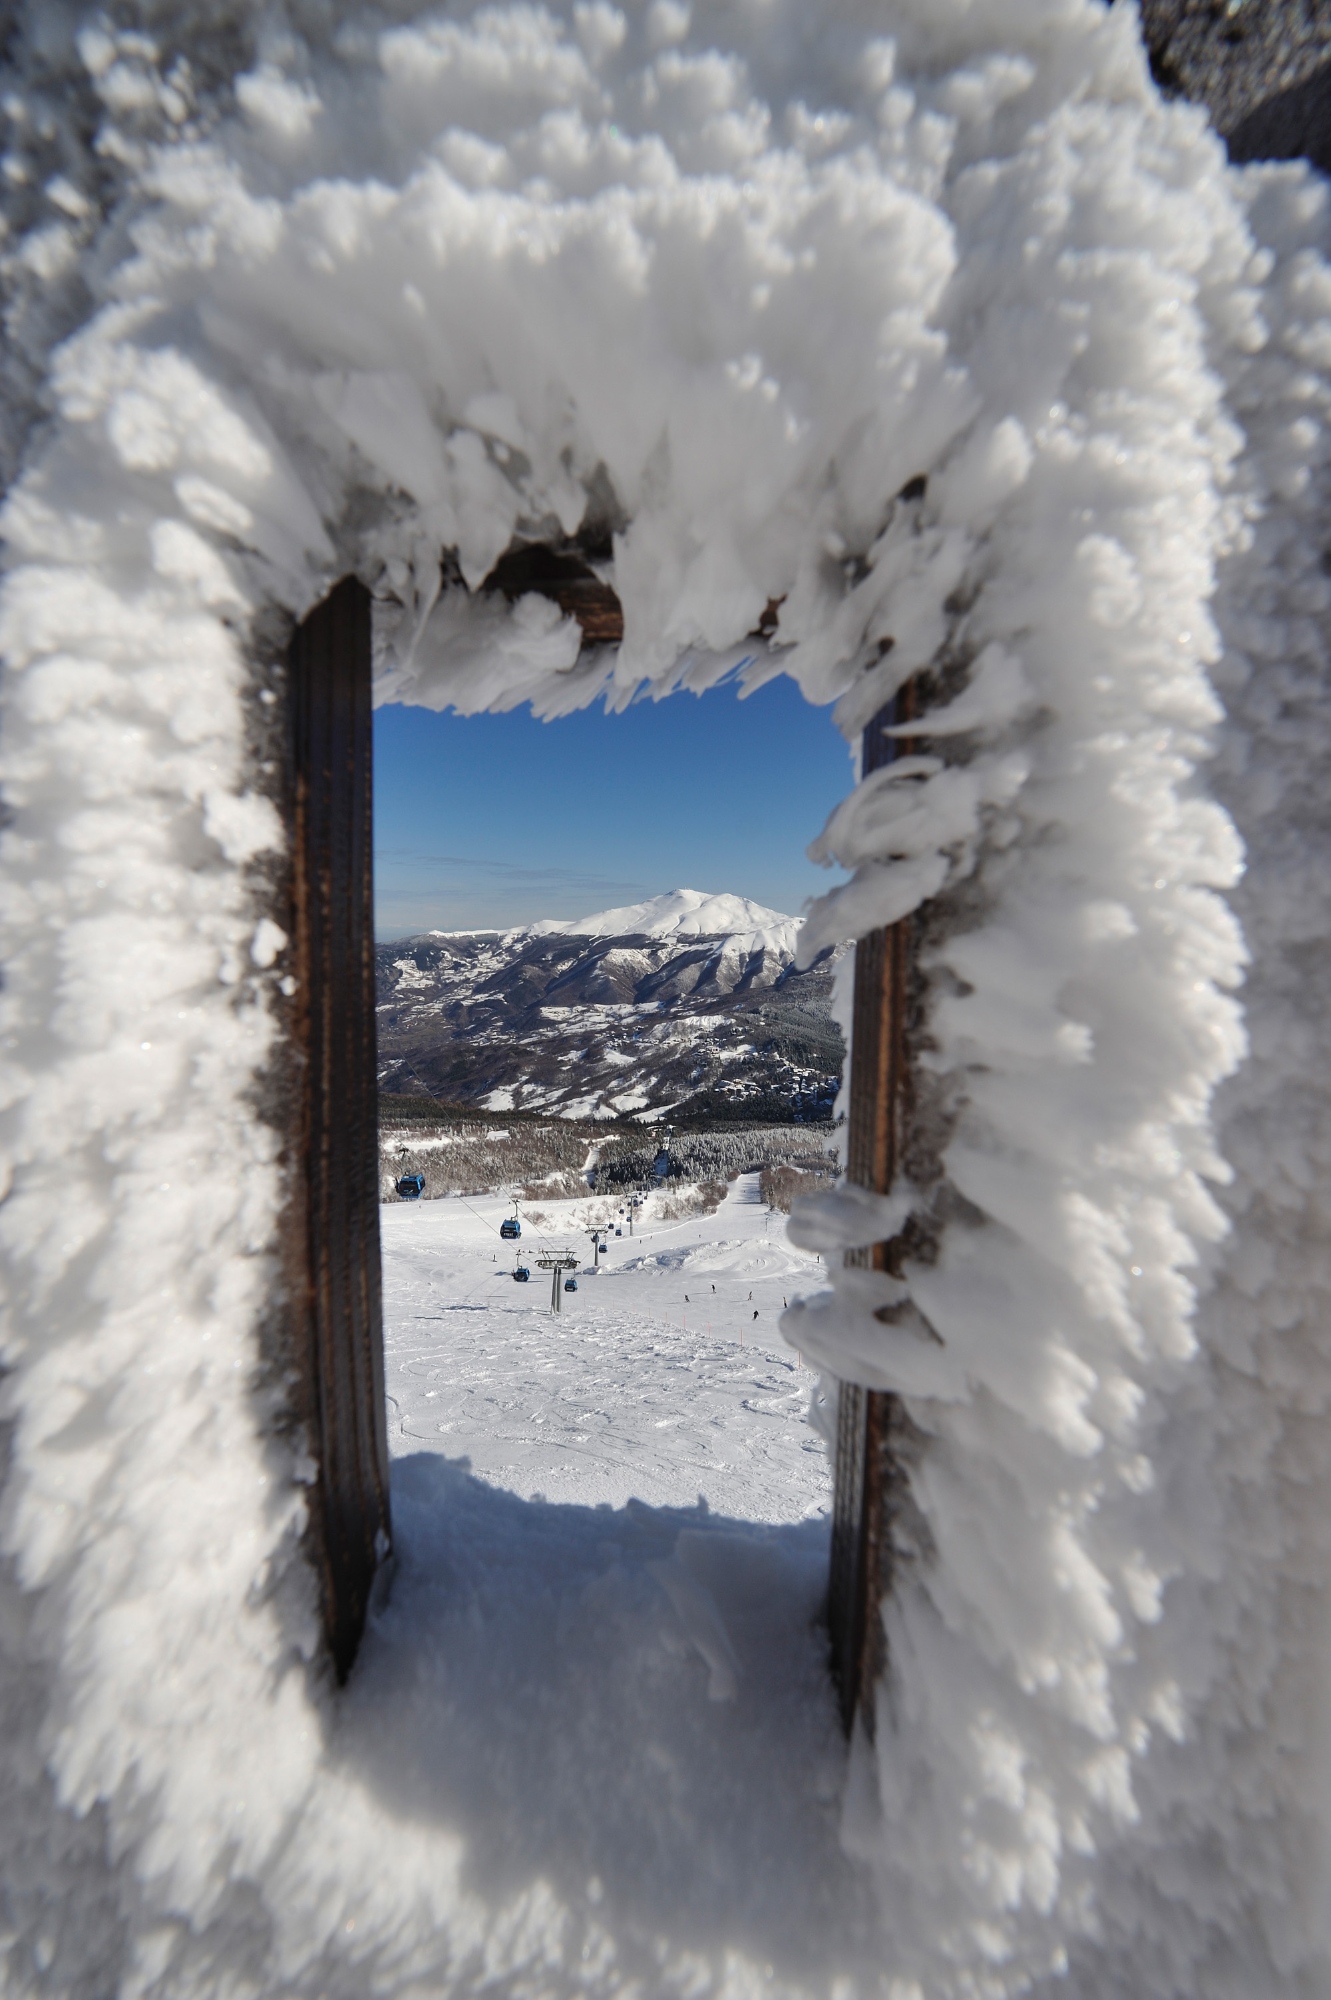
x: 557, y: 1262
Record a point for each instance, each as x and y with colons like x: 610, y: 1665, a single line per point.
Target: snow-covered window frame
x: 331, y: 1332
x: 314, y: 305
x: 330, y: 1345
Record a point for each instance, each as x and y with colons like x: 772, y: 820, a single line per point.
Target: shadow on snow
x: 629, y: 1707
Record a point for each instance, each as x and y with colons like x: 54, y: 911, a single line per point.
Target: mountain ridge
x: 677, y: 912
x: 635, y: 1012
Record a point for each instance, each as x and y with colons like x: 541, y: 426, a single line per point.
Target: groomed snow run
x: 663, y: 1380
x: 935, y: 324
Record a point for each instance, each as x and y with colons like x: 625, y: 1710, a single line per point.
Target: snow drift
x: 938, y: 328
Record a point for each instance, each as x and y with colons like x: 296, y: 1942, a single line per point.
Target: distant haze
x: 494, y: 821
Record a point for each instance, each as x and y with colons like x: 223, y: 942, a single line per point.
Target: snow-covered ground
x: 663, y: 1378
x: 603, y: 1640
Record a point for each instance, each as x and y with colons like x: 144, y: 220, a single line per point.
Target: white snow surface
x: 664, y: 1377
x: 334, y: 289
x: 630, y: 1511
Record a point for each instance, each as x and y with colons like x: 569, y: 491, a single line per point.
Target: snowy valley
x: 688, y: 1004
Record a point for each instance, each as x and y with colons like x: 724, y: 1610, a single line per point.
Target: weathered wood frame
x: 334, y: 1279
x: 867, y: 1475
x: 334, y: 1285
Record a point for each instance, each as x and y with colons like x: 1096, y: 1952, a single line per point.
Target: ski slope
x: 603, y: 1641
x: 663, y: 1378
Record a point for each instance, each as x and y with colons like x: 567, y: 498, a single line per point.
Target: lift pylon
x: 557, y: 1262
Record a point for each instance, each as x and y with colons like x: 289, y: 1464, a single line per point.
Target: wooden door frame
x: 331, y: 1228
x: 867, y: 1473
x: 331, y: 1233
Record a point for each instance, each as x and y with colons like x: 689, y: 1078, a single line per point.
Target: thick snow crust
x: 298, y: 295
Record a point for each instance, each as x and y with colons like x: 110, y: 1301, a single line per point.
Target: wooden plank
x: 569, y: 581
x: 333, y: 1235
x: 866, y: 1476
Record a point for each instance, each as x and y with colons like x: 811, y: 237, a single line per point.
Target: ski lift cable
x: 406, y: 1060
x: 541, y: 1237
x: 489, y: 1279
x: 540, y: 1233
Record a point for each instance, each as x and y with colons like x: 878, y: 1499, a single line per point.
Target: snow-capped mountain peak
x: 683, y: 913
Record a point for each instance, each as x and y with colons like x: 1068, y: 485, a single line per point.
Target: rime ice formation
x: 296, y: 295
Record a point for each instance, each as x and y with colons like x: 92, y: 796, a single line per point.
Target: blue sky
x: 497, y: 820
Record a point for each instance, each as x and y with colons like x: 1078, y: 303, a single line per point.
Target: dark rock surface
x: 1261, y: 67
